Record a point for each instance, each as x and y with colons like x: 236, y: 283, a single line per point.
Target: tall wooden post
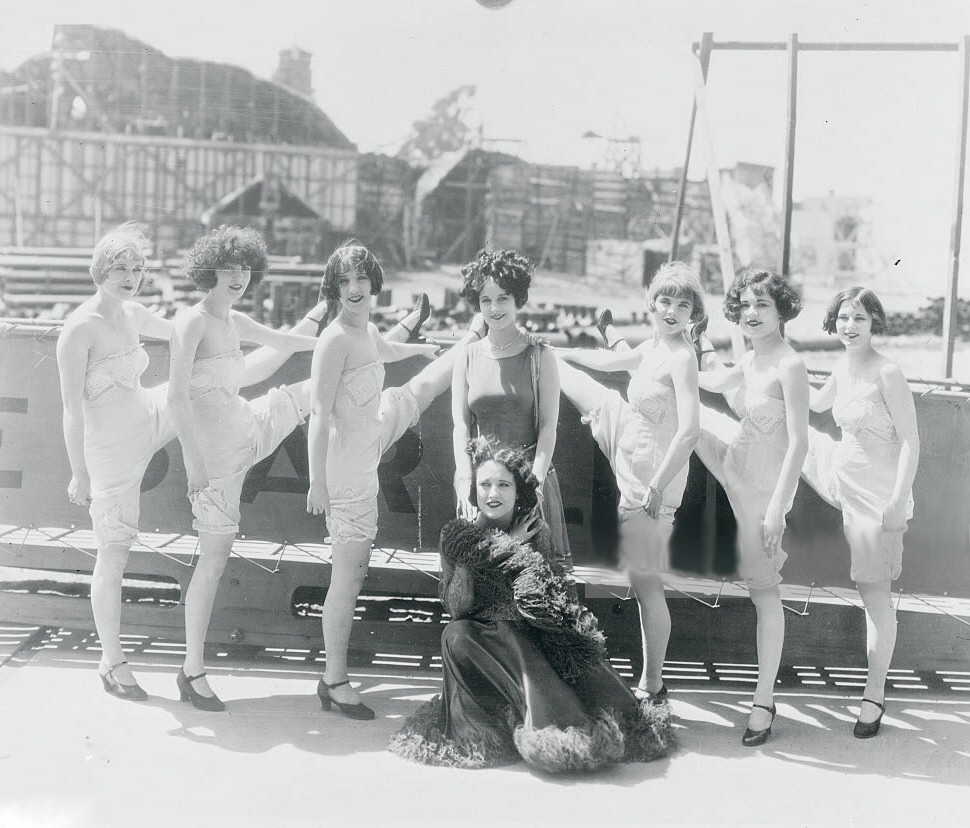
x: 707, y: 39
x: 956, y: 224
x: 789, y: 153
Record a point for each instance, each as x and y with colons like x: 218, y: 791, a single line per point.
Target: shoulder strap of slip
x: 534, y: 360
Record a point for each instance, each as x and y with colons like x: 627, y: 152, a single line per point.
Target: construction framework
x: 792, y: 47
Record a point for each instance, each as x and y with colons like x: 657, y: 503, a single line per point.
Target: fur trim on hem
x: 554, y: 750
x: 422, y: 740
x: 648, y: 734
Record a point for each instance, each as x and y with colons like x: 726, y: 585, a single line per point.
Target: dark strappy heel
x: 866, y: 730
x: 129, y: 692
x: 353, y: 711
x: 423, y: 307
x: 187, y: 692
x: 753, y: 738
x: 661, y: 697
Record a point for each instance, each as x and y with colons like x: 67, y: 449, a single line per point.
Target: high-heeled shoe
x: 753, y: 738
x: 866, y: 730
x: 661, y: 697
x: 212, y: 704
x: 603, y: 321
x: 129, y: 692
x: 354, y: 711
x: 423, y: 308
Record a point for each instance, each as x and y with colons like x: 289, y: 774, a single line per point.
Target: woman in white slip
x: 758, y: 461
x: 113, y: 426
x: 868, y: 474
x: 222, y: 434
x: 648, y: 440
x: 354, y: 420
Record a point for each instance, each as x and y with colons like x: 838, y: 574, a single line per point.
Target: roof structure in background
x: 97, y: 79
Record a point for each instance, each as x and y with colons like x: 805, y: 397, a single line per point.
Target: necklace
x: 508, y: 344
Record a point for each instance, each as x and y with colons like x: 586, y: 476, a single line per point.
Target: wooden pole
x: 704, y: 55
x: 721, y: 231
x: 789, y: 154
x: 956, y: 225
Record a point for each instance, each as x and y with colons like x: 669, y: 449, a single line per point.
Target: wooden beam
x: 789, y: 177
x: 951, y: 298
x: 704, y: 55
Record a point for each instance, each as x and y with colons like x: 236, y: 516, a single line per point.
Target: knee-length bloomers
x: 234, y: 434
x: 857, y: 474
x: 124, y: 425
x: 525, y: 670
x: 364, y: 423
x: 746, y: 458
x: 635, y: 436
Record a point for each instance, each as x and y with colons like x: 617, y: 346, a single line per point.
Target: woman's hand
x: 540, y: 499
x: 466, y: 509
x: 198, y: 479
x: 527, y: 526
x: 894, y: 516
x: 773, y: 529
x: 79, y: 490
x: 318, y: 500
x: 652, y: 502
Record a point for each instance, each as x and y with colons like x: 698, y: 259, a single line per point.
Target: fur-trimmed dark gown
x: 525, y: 669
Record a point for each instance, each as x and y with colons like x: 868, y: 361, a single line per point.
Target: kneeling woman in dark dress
x: 525, y: 669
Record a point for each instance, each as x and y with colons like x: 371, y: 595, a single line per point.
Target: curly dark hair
x: 509, y: 270
x: 858, y: 295
x: 483, y: 449
x: 351, y: 256
x: 778, y: 287
x: 223, y: 247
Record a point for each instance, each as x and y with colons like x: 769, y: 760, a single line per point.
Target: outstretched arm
x: 252, y: 331
x: 390, y: 351
x: 821, y: 399
x: 600, y: 359
x: 683, y: 372
x: 899, y: 401
x: 150, y: 325
x: 461, y: 417
x: 794, y: 386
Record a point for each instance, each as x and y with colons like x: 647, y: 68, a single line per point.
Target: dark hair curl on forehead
x: 350, y: 257
x: 763, y: 282
x: 222, y: 248
x: 483, y: 449
x: 509, y: 270
x: 863, y: 296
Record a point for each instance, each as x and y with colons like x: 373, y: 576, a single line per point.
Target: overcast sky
x: 547, y: 71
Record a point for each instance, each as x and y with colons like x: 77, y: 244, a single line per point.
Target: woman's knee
x: 111, y: 562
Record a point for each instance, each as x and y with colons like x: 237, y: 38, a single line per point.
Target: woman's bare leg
x: 771, y: 639
x: 214, y: 551
x: 109, y: 569
x: 880, y: 643
x: 349, y: 568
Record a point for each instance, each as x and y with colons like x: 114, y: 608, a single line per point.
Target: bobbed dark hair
x: 509, y: 270
x: 483, y: 449
x: 350, y: 257
x: 863, y: 296
x: 778, y: 287
x: 222, y: 247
